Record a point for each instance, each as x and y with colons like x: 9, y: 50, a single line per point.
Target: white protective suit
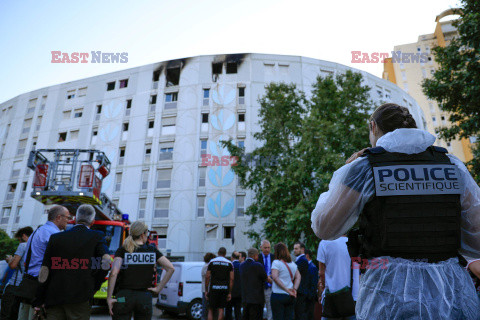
x: 405, y: 289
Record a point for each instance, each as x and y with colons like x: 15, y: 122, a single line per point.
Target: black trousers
x: 311, y: 307
x: 136, y: 302
x: 10, y: 304
x: 236, y: 304
x: 301, y: 307
x: 252, y: 311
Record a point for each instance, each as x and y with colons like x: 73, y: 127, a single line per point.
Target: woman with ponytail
x: 414, y: 208
x: 132, y: 273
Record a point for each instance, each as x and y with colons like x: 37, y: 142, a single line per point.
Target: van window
x: 176, y: 275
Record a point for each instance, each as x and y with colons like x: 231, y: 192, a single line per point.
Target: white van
x: 183, y: 293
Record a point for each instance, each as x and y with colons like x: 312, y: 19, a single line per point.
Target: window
x: 121, y: 156
x: 94, y: 136
x: 70, y: 94
x: 211, y: 231
x: 39, y: 123
x: 74, y: 135
x: 228, y: 232
x: 473, y: 139
x: 123, y: 83
x: 62, y: 136
x: 18, y: 214
x: 200, y: 206
x: 26, y: 126
x: 161, y: 207
x: 15, y: 174
x: 125, y: 126
x: 98, y: 112
x: 11, y: 191
x: 144, y: 184
x: 163, y: 178
x: 82, y: 92
x: 171, y: 100
x: 168, y: 126
x: 201, y: 176
x: 153, y: 102
x: 240, y: 206
x: 148, y: 152
x: 444, y: 121
x: 231, y: 67
x: 67, y: 114
x: 241, y: 121
x: 241, y: 143
x: 217, y: 68
x: 166, y: 151
x: 204, y: 117
x: 173, y: 76
x: 24, y: 189
x: 203, y: 147
x: 44, y: 102
x: 418, y: 49
x: 128, y: 107
x: 22, y: 145
x: 432, y: 108
x: 204, y: 125
x: 151, y: 125
x: 142, y: 203
x: 241, y: 95
x: 156, y: 76
x: 110, y: 86
x: 5, y: 215
x: 118, y: 181
x: 434, y: 120
x: 432, y: 71
x: 162, y: 240
x: 78, y: 113
x: 206, y: 97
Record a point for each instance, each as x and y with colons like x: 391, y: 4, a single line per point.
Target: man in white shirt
x: 335, y: 268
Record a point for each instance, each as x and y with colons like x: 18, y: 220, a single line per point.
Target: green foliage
x: 309, y: 138
x: 7, y: 244
x: 456, y: 83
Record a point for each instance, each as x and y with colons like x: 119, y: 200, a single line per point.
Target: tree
x: 456, y: 83
x: 7, y: 244
x: 304, y: 140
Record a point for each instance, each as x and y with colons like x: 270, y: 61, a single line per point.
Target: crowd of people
x: 57, y: 273
x: 425, y: 239
x: 251, y: 281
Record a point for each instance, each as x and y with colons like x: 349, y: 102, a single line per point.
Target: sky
x: 153, y: 31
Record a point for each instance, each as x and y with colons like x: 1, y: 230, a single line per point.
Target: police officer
x: 134, y: 266
x: 417, y: 208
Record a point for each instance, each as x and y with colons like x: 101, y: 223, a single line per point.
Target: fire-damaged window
x: 173, y: 76
x: 156, y: 75
x: 232, y: 67
x: 217, y: 68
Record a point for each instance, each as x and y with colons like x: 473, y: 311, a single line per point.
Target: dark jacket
x: 260, y: 260
x: 253, y: 278
x: 302, y: 264
x: 73, y: 258
x: 313, y: 281
x: 237, y: 288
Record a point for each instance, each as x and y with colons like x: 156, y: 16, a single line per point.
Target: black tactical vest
x: 415, y: 213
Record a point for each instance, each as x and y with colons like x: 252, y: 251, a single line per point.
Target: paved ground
x: 101, y: 312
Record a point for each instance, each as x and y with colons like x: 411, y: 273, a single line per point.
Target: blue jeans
x: 283, y: 306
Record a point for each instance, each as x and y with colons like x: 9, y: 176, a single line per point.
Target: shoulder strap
x: 29, y: 253
x: 288, y: 268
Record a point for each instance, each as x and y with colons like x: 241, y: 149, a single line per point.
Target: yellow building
x: 409, y: 76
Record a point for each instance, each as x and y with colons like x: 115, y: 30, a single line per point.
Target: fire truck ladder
x: 71, y: 178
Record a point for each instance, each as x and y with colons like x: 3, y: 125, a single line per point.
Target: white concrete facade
x: 194, y: 207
